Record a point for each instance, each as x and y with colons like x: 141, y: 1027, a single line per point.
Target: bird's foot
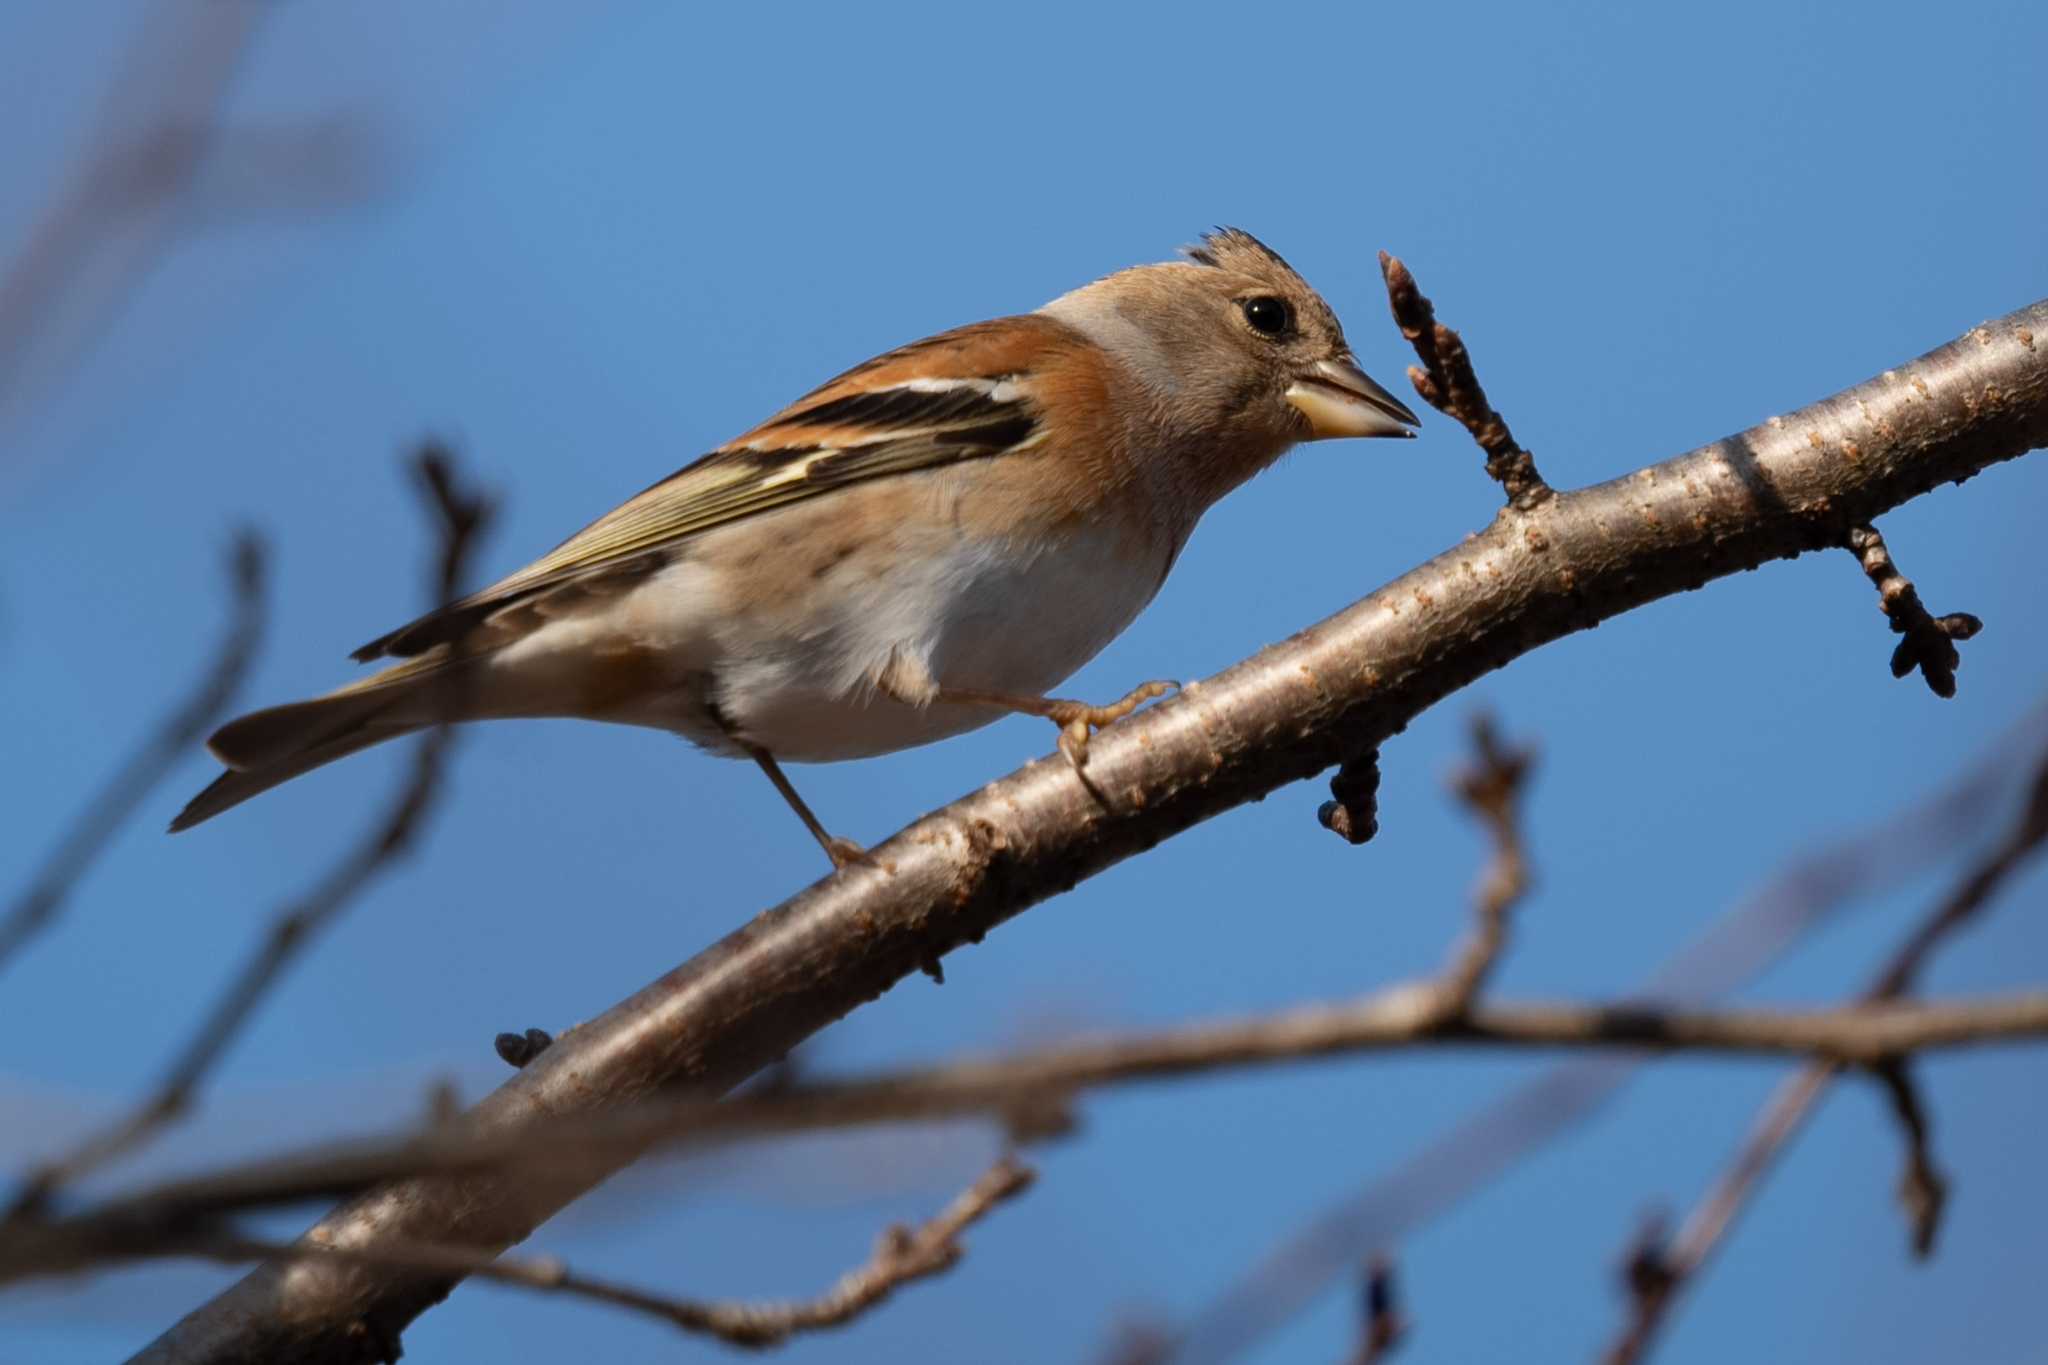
x: 1078, y: 721
x: 845, y: 853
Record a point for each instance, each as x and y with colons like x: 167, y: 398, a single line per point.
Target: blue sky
x: 591, y: 243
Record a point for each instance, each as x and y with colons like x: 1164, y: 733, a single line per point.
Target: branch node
x: 1928, y: 642
x: 1355, y: 815
x: 1447, y: 382
x: 1492, y: 790
x: 1923, y: 1190
x: 517, y: 1049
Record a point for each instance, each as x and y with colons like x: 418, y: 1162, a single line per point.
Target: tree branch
x: 1337, y: 689
x: 1492, y: 790
x: 1015, y: 1090
x: 1813, y: 890
x: 458, y: 519
x: 1447, y: 382
x: 1381, y: 1326
x: 901, y: 1256
x: 1921, y: 1188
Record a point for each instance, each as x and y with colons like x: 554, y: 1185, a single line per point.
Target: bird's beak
x: 1339, y: 399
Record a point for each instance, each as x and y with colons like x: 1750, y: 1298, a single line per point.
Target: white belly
x: 973, y: 615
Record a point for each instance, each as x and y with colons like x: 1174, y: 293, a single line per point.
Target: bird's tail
x: 275, y: 745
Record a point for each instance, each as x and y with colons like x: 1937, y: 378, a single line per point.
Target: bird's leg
x: 842, y: 852
x: 1077, y: 719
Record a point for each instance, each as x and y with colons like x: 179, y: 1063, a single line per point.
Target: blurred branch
x: 1017, y: 1090
x: 459, y: 517
x: 1492, y: 790
x: 1787, y: 908
x: 1381, y: 1326
x: 1923, y: 1191
x: 161, y: 164
x: 1337, y: 689
x: 1921, y: 1188
x: 35, y: 909
x: 901, y: 1256
x: 1929, y: 642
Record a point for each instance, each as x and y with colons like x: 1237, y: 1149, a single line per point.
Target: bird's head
x: 1236, y: 349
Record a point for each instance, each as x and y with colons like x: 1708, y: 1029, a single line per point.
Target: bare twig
x: 36, y: 907
x: 1299, y: 707
x: 1381, y: 1326
x: 901, y: 1256
x: 1922, y: 1189
x: 157, y: 1221
x: 459, y: 517
x: 162, y: 164
x: 1655, y: 1270
x: 1492, y: 790
x: 1447, y: 382
x: 1808, y: 893
x: 1928, y: 642
x: 148, y: 145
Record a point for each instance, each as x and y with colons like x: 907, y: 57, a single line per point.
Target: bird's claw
x: 1078, y: 720
x: 845, y: 853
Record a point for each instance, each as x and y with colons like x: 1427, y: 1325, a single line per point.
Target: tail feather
x: 275, y: 745
x: 237, y: 785
x: 277, y: 734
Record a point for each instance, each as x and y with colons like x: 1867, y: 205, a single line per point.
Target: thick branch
x: 1337, y: 689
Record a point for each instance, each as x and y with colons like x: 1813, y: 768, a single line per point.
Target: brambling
x: 926, y: 543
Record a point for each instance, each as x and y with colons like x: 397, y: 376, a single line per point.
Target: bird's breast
x: 940, y: 584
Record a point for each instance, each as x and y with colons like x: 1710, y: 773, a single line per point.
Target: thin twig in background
x: 459, y: 517
x: 164, y: 165
x: 902, y: 1256
x: 156, y: 1221
x: 157, y: 120
x: 1297, y: 708
x: 35, y: 909
x: 1786, y: 910
x: 1381, y: 1327
x: 1492, y: 790
x: 1927, y: 642
x: 1922, y: 1189
x: 1448, y: 383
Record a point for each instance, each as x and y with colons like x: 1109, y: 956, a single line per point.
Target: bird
x: 934, y: 539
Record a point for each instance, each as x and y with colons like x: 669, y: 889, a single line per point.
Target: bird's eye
x: 1268, y: 315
